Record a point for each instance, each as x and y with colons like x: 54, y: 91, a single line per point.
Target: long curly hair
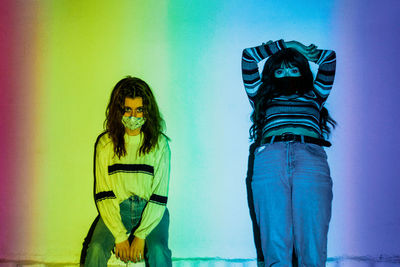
x: 153, y: 127
x: 268, y: 90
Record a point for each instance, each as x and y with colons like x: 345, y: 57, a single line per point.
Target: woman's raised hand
x: 310, y: 52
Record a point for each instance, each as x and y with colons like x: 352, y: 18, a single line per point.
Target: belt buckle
x: 287, y: 137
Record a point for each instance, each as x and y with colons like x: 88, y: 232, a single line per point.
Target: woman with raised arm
x: 131, y: 167
x: 291, y: 183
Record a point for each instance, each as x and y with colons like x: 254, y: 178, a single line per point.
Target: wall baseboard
x: 344, y: 261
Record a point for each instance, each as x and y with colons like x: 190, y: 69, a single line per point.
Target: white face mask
x: 133, y: 123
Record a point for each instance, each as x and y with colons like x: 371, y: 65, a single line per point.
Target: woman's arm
x: 250, y: 59
x: 105, y: 197
x: 310, y: 52
x: 326, y: 61
x: 154, y: 210
x: 323, y: 82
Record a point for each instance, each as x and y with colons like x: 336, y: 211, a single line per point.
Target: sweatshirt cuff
x: 121, y: 238
x: 140, y: 234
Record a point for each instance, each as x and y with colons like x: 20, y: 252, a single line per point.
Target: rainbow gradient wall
x: 60, y: 60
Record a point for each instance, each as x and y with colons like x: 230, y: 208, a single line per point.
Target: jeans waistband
x: 136, y: 198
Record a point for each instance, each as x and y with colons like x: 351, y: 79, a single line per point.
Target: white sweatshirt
x: 117, y: 179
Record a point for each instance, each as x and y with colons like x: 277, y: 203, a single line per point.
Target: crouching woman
x: 131, y: 168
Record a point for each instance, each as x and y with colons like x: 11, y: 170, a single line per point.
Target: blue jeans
x: 157, y: 253
x: 292, y: 191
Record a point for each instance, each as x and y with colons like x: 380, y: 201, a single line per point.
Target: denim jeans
x: 157, y: 253
x: 292, y: 191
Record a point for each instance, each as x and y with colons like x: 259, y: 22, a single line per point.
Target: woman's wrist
x: 290, y: 44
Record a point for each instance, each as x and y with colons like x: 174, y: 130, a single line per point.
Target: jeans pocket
x: 260, y: 149
x: 316, y: 150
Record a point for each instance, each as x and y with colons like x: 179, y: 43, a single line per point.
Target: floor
x: 393, y: 261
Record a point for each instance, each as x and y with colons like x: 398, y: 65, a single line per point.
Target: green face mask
x: 133, y: 123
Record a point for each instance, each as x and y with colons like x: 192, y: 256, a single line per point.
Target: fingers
x: 122, y: 255
x: 311, y: 47
x: 118, y: 254
x: 132, y: 254
x: 138, y: 256
x: 122, y: 251
x: 312, y: 52
x: 135, y: 254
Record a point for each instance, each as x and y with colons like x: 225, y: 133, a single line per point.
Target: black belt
x: 295, y: 137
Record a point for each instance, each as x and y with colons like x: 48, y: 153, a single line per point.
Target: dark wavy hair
x: 153, y: 127
x: 268, y: 90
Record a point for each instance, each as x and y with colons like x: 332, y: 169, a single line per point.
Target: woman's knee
x: 157, y: 248
x: 160, y: 232
x: 158, y: 255
x: 95, y: 247
x: 96, y: 251
x: 157, y: 243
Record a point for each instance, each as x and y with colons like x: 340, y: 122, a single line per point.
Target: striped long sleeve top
x: 116, y: 179
x: 289, y: 111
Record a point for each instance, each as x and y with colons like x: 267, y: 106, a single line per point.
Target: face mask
x: 290, y: 85
x: 133, y: 123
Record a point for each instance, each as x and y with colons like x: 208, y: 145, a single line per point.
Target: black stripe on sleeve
x: 331, y: 56
x: 281, y: 43
x: 326, y: 83
x: 157, y: 199
x: 259, y: 52
x: 252, y: 81
x: 269, y: 52
x: 135, y: 168
x: 326, y: 72
x: 104, y: 195
x: 250, y: 71
x: 94, y: 166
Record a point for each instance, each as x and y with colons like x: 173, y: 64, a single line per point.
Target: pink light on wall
x: 8, y: 142
x: 18, y: 109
